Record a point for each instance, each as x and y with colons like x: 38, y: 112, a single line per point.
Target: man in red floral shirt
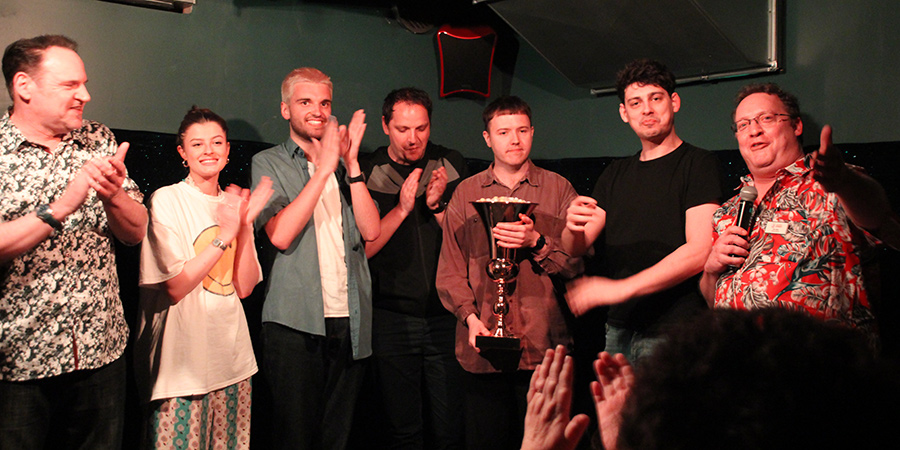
x: 812, y: 221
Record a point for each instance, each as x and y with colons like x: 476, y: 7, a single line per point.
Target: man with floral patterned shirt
x: 64, y: 193
x: 811, y: 227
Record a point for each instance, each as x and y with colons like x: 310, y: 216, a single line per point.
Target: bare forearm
x: 192, y: 273
x: 708, y: 287
x: 864, y: 200
x: 683, y: 263
x: 127, y: 218
x: 246, y: 267
x: 365, y: 212
x: 290, y: 221
x: 573, y: 243
x: 389, y: 225
x: 21, y: 235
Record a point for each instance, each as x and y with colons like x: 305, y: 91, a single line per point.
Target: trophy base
x: 502, y: 352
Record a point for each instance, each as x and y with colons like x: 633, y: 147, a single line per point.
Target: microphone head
x: 748, y: 193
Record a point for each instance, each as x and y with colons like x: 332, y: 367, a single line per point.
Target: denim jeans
x: 84, y: 409
x: 633, y: 344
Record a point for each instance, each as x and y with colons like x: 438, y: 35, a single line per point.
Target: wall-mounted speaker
x: 467, y: 55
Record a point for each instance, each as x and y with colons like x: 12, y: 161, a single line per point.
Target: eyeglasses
x: 764, y: 120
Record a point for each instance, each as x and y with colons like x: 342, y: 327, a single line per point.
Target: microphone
x: 745, y: 208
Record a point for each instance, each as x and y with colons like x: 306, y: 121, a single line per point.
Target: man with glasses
x: 811, y: 226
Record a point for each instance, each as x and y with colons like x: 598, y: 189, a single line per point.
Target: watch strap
x: 46, y: 214
x: 219, y: 244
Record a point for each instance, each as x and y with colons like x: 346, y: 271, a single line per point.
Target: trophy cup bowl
x: 502, y: 269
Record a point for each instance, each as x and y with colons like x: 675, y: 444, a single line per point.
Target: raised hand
x: 355, y: 132
x: 827, y: 164
x: 253, y: 203
x: 547, y: 422
x: 436, y: 187
x: 408, y: 191
x: 615, y: 378
x: 108, y: 173
x: 328, y: 149
x: 228, y: 213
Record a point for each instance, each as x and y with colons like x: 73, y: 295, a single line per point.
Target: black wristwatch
x: 357, y: 179
x: 541, y: 242
x: 46, y: 214
x: 442, y: 205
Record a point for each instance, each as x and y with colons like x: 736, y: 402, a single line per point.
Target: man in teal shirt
x: 317, y: 317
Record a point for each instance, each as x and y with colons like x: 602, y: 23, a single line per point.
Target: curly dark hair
x: 644, y: 71
x: 761, y: 380
x: 410, y: 95
x: 789, y: 100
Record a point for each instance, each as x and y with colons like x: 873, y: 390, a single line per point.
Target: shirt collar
x: 798, y: 168
x: 530, y: 177
x: 14, y: 139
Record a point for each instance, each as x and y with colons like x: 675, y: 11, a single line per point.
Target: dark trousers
x: 419, y: 380
x: 314, y: 384
x: 496, y: 404
x: 84, y: 409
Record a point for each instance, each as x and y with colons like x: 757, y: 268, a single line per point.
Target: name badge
x: 776, y: 227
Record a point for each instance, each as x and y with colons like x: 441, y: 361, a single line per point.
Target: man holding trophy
x: 499, y: 262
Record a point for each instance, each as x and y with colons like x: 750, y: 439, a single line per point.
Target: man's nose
x: 82, y: 94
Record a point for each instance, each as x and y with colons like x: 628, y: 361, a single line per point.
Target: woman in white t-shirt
x: 193, y: 356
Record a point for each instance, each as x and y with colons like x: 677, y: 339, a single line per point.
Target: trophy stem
x: 500, y: 310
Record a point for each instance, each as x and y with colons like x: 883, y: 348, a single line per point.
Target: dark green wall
x: 148, y: 67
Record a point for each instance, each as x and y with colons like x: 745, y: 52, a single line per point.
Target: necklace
x: 190, y: 182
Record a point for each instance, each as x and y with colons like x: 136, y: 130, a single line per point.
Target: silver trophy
x: 502, y: 268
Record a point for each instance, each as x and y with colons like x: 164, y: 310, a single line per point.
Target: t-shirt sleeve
x: 705, y: 181
x: 162, y: 252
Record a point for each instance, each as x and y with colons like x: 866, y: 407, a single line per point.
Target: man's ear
x: 487, y: 138
x: 22, y: 84
x: 622, y: 113
x: 798, y: 127
x: 676, y: 102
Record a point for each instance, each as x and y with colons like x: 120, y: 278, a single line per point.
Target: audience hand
x: 615, y: 378
x: 547, y: 423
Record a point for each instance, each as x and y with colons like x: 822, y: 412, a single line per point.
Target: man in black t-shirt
x: 648, y: 222
x: 413, y: 336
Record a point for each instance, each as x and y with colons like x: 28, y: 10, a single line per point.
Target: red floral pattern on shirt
x: 812, y: 264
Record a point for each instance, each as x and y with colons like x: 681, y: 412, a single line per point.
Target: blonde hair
x: 303, y: 75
